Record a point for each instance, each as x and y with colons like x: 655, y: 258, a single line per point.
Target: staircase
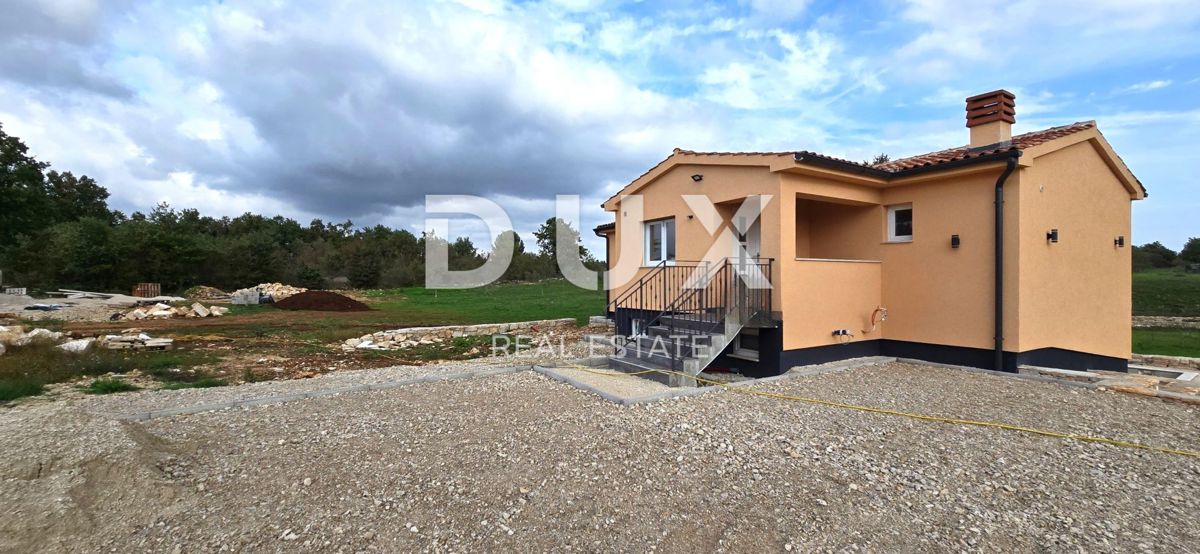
x: 681, y: 317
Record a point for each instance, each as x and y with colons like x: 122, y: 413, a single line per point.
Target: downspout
x: 1009, y: 166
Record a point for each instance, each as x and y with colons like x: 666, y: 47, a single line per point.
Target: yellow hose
x: 922, y: 417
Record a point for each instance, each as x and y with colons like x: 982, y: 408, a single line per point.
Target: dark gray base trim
x: 1070, y: 359
x: 831, y: 353
x: 952, y: 355
x: 983, y: 358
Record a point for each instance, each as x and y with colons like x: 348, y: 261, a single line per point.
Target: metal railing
x: 704, y: 294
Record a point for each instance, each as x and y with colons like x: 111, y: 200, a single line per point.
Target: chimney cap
x: 998, y: 92
x: 998, y: 105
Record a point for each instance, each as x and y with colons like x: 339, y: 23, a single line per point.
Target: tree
x: 72, y: 198
x: 1191, y: 251
x: 1156, y: 255
x: 879, y: 159
x: 546, y: 236
x: 509, y: 238
x: 24, y: 202
x: 310, y: 278
x: 56, y: 230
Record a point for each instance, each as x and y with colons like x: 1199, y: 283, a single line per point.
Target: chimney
x: 990, y: 117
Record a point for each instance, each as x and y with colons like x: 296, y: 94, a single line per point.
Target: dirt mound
x: 321, y: 300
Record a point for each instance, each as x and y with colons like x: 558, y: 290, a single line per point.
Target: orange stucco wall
x: 815, y: 297
x: 942, y: 295
x: 1074, y: 294
x: 664, y: 198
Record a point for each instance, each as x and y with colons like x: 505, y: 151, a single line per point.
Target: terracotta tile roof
x: 695, y: 153
x: 1019, y: 142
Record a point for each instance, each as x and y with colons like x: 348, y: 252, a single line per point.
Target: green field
x: 1169, y: 292
x: 1167, y: 342
x: 492, y: 304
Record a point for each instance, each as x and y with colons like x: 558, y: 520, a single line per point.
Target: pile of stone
x: 130, y: 339
x: 16, y: 335
x: 206, y: 294
x: 165, y: 311
x: 414, y: 336
x: 264, y: 293
x: 133, y: 339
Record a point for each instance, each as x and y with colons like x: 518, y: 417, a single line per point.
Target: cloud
x: 356, y: 110
x: 808, y: 65
x: 1145, y: 86
x: 1026, y: 40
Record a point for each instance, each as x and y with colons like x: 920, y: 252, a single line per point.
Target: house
x: 1009, y: 251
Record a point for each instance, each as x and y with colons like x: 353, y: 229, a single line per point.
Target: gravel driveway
x: 518, y: 462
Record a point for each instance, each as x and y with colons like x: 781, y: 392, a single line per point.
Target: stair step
x: 641, y: 367
x: 663, y: 344
x: 664, y: 331
x: 705, y: 322
x: 658, y: 357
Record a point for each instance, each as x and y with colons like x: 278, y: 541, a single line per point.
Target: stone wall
x: 413, y: 336
x: 1166, y: 321
x: 1175, y: 362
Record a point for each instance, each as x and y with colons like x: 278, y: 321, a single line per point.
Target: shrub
x: 12, y: 388
x: 109, y: 386
x: 202, y: 383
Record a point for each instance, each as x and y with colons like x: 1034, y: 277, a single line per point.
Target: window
x: 660, y: 241
x: 900, y: 223
x: 745, y: 346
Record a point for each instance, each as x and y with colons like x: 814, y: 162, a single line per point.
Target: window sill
x: 898, y: 241
x: 748, y: 355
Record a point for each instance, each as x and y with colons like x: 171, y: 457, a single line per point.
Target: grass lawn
x: 492, y: 304
x: 1168, y: 292
x: 1167, y: 342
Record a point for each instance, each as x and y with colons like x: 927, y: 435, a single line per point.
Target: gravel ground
x: 613, y: 382
x: 519, y: 462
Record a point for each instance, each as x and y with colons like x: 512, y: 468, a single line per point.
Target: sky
x: 357, y: 110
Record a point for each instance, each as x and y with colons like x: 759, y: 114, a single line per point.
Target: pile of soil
x: 321, y: 300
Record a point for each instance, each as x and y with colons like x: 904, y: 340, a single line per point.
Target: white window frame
x: 742, y: 352
x: 648, y: 228
x: 891, y: 223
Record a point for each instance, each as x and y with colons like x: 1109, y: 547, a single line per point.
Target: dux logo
x: 723, y: 239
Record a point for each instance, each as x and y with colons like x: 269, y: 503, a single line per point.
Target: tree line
x: 1156, y: 256
x: 57, y: 231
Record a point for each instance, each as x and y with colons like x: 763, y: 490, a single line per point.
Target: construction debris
x: 205, y: 293
x: 115, y: 298
x: 44, y: 307
x: 147, y: 290
x: 16, y: 335
x: 413, y: 336
x: 77, y: 346
x: 130, y: 341
x: 264, y: 293
x: 165, y: 311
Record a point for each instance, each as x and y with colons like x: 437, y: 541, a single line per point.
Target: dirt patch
x: 321, y: 300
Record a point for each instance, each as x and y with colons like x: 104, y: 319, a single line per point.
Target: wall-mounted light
x: 1120, y: 241
x: 697, y: 177
x: 954, y: 241
x: 1052, y: 236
